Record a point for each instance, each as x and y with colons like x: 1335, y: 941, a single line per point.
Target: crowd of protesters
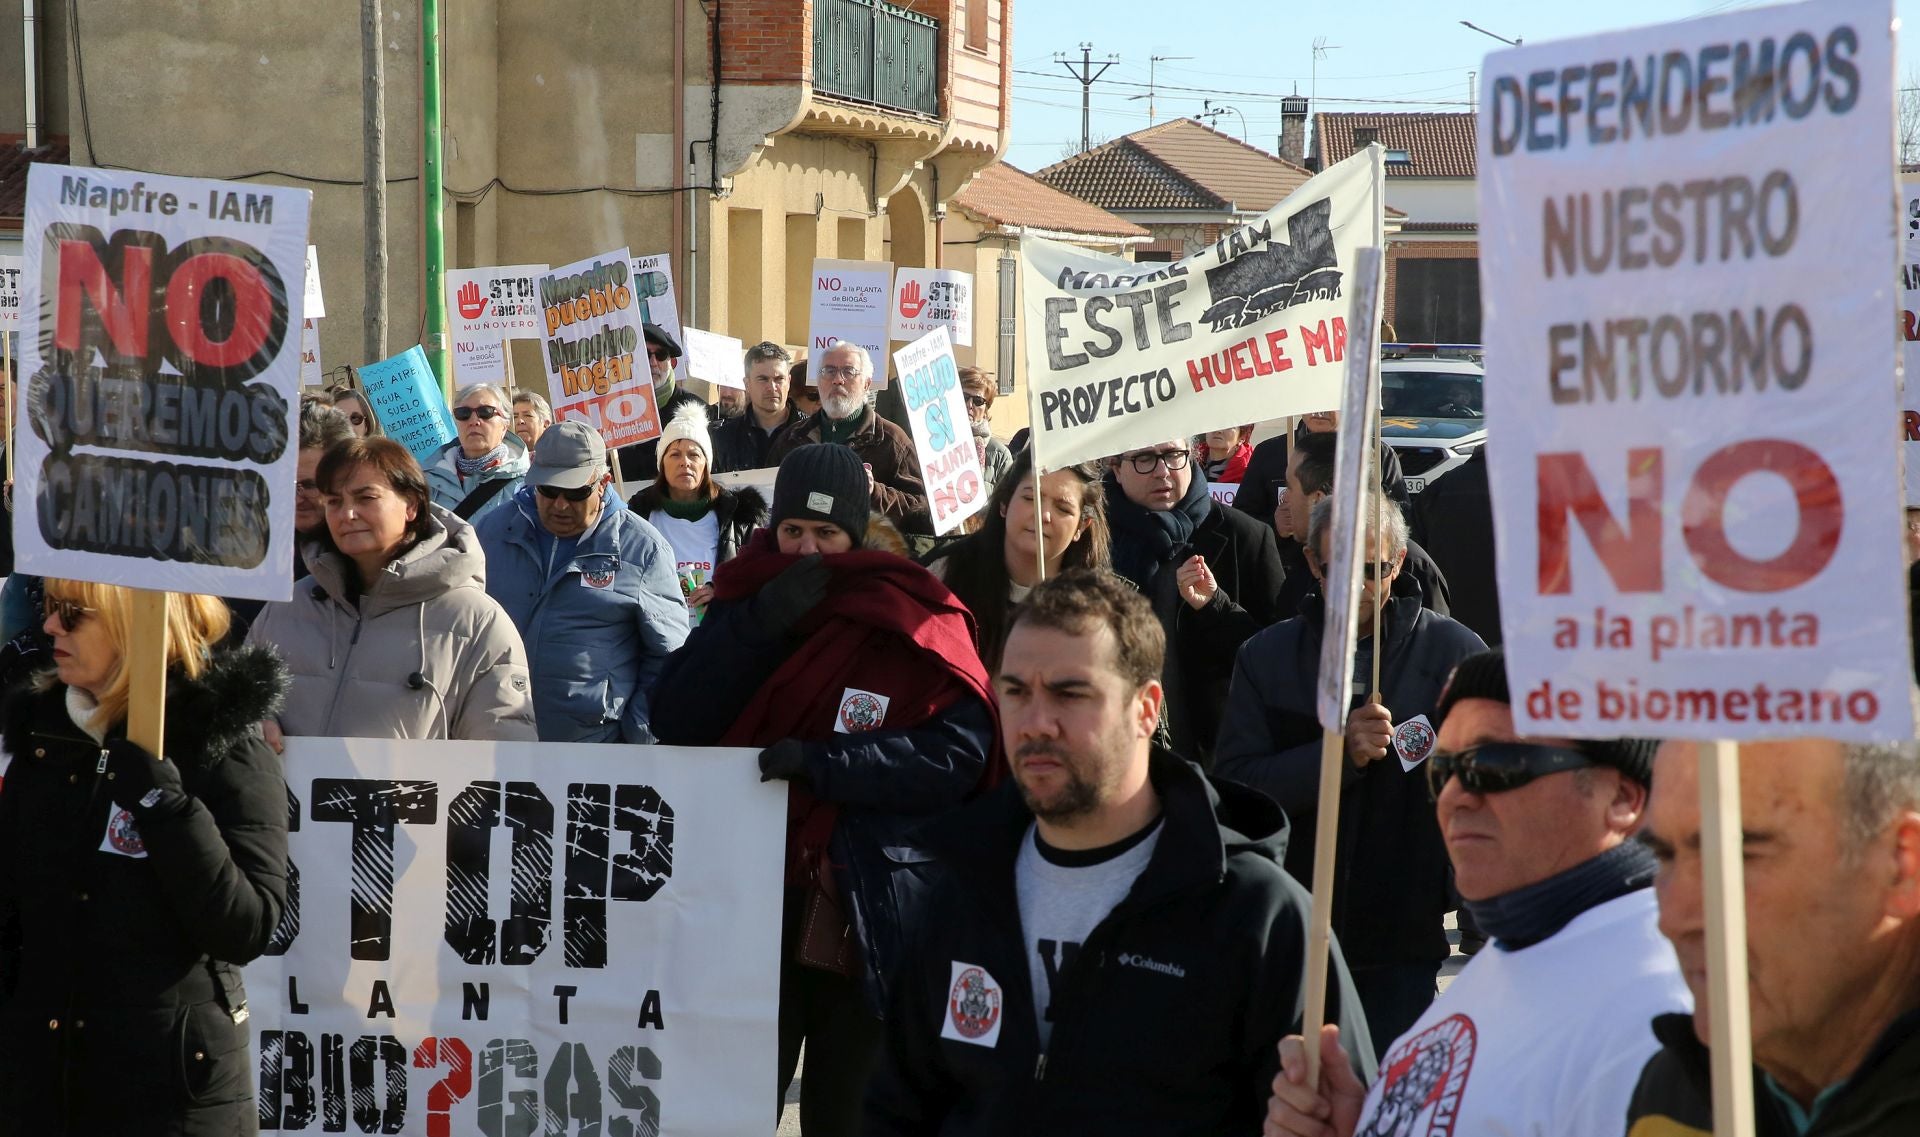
x: 1051, y: 784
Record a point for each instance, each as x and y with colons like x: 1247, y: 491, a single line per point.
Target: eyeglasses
x: 976, y: 401
x: 306, y: 485
x: 657, y: 354
x: 1380, y: 570
x: 576, y: 496
x: 1496, y: 767
x: 1146, y: 463
x: 839, y: 373
x: 70, y: 613
x: 487, y: 414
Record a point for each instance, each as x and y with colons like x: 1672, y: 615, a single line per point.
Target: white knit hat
x: 689, y: 422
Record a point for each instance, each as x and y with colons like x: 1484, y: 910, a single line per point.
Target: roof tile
x: 14, y: 160
x: 1440, y: 144
x: 1182, y: 164
x: 1006, y: 196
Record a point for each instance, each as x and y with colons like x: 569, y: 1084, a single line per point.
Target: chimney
x: 1293, y: 128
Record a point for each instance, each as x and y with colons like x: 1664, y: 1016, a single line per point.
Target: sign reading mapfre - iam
x: 1687, y: 311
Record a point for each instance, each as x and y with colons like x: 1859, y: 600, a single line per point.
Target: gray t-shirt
x: 1064, y: 894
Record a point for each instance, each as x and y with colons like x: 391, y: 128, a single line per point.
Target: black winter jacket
x: 119, y: 987
x: 641, y: 461
x: 1453, y: 519
x: 1880, y: 1099
x: 1392, y: 876
x: 1168, y: 1020
x: 1266, y: 476
x: 740, y: 444
x: 738, y: 512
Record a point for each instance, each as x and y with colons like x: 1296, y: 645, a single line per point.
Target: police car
x: 1431, y: 411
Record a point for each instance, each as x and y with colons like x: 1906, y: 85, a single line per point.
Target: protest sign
x: 312, y: 374
x: 850, y: 303
x: 760, y: 480
x: 560, y: 938
x: 1910, y: 332
x: 161, y: 371
x: 659, y: 303
x: 1695, y: 537
x: 715, y: 358
x: 479, y: 361
x: 497, y: 303
x: 315, y: 307
x: 929, y: 298
x: 10, y: 268
x: 937, y: 411
x: 1223, y: 492
x: 1124, y: 355
x: 595, y: 358
x: 407, y: 400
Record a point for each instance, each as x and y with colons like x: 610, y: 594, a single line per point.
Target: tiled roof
x: 1181, y: 164
x: 14, y: 160
x: 1440, y: 145
x: 1003, y: 195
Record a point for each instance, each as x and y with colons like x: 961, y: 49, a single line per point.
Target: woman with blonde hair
x: 134, y: 886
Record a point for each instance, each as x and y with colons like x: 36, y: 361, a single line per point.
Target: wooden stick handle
x: 1320, y: 919
x: 147, y: 671
x: 1730, y: 1026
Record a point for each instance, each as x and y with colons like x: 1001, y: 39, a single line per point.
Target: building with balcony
x: 745, y: 137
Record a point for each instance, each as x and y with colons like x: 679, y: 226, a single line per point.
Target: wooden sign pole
x: 1039, y: 531
x: 147, y: 671
x: 1730, y: 1025
x: 1320, y: 924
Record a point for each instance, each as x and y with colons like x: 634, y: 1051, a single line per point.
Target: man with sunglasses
x: 1210, y: 573
x: 1391, y: 899
x: 844, y: 373
x: 1545, y: 1031
x: 641, y: 461
x: 591, y: 587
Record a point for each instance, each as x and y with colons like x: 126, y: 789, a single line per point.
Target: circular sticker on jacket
x: 974, y: 1004
x: 860, y: 711
x: 1414, y: 740
x: 1422, y: 1080
x: 597, y: 579
x: 123, y: 837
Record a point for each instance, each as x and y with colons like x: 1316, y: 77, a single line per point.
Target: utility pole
x: 1087, y: 76
x: 1153, y: 60
x: 433, y: 196
x: 373, y: 190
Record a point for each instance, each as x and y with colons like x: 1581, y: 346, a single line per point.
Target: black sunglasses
x: 71, y: 613
x: 1378, y: 571
x: 574, y: 495
x: 357, y: 419
x: 976, y: 401
x: 1496, y: 767
x: 487, y: 414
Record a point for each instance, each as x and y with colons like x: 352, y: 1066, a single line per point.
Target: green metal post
x: 432, y: 195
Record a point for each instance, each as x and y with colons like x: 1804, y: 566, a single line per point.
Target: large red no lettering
x: 252, y: 317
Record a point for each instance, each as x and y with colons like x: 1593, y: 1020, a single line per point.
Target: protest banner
x: 1910, y: 332
x: 715, y: 358
x: 850, y: 303
x: 408, y: 402
x: 10, y: 269
x: 1349, y: 544
x: 929, y: 298
x: 937, y: 411
x: 1123, y: 355
x: 1695, y: 539
x: 518, y: 938
x: 595, y: 358
x: 161, y: 370
x: 659, y: 303
x: 760, y: 480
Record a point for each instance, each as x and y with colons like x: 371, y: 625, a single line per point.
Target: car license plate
x: 1415, y: 485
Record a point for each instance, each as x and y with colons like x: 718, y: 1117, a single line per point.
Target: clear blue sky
x: 1413, y: 53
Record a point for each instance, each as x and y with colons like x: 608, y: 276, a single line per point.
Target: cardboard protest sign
x: 160, y: 369
x: 1124, y: 355
x: 1354, y: 475
x: 489, y: 930
x: 715, y: 358
x: 1910, y: 332
x: 850, y: 303
x: 596, y: 360
x: 497, y: 303
x: 315, y: 307
x: 10, y: 272
x: 312, y: 374
x: 1696, y: 537
x: 479, y: 361
x: 409, y: 403
x: 659, y: 303
x: 1223, y: 492
x: 937, y: 411
x: 929, y: 298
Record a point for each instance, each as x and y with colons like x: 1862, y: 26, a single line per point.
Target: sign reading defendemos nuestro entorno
x: 161, y: 360
x: 1253, y: 327
x: 1687, y: 308
x: 514, y: 938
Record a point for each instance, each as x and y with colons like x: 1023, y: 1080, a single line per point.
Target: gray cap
x: 569, y: 455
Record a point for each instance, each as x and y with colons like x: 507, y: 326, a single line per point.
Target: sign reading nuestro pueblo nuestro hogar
x: 1687, y: 310
x: 161, y: 355
x: 1253, y: 327
x: 516, y: 939
x: 592, y: 341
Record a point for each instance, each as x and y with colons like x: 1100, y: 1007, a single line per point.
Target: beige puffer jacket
x: 425, y: 653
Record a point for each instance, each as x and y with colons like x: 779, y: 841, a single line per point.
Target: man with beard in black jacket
x: 1111, y: 945
x: 1212, y: 576
x: 1392, y: 892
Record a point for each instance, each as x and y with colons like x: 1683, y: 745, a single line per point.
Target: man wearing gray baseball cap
x: 591, y: 586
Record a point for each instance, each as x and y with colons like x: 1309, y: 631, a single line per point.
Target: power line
x: 1087, y: 76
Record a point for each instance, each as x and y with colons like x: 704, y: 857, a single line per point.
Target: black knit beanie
x: 1484, y: 676
x: 823, y: 481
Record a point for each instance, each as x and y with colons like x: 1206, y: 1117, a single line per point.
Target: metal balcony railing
x: 878, y: 53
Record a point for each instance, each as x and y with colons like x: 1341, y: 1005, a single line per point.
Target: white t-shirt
x: 695, y: 545
x: 1547, y: 1041
x: 1061, y: 905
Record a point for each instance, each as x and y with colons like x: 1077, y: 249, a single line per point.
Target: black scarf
x: 1145, y: 539
x: 1530, y: 914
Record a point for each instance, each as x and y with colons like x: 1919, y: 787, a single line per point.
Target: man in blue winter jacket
x: 591, y: 587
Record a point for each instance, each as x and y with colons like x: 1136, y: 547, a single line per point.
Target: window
x: 977, y: 13
x: 1365, y: 136
x: 1399, y: 158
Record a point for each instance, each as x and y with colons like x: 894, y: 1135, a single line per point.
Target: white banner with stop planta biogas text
x: 519, y: 938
